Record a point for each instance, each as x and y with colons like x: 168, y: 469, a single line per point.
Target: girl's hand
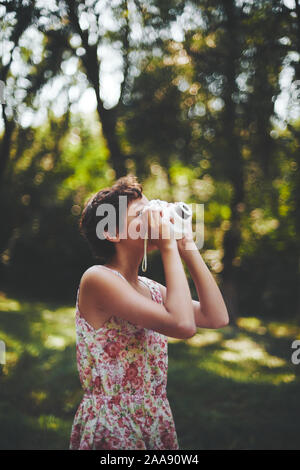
x: 159, y: 231
x: 186, y: 243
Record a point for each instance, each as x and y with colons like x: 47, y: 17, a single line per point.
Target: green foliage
x: 43, y: 198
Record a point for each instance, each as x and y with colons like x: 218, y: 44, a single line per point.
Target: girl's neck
x: 129, y: 270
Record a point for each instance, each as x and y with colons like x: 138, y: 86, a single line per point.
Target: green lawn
x: 232, y: 388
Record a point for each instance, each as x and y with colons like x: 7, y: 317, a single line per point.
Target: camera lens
x: 182, y: 210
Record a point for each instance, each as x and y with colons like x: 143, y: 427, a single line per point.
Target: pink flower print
x: 148, y: 401
x: 131, y: 373
x: 137, y: 382
x: 112, y: 333
x: 120, y: 422
x: 152, y: 359
x: 167, y: 440
x: 123, y: 354
x: 140, y: 445
x: 115, y: 400
x: 140, y: 360
x: 148, y: 421
x: 109, y: 444
x: 158, y: 390
x: 75, y: 437
x: 112, y: 349
x: 139, y: 413
x: 118, y: 364
x: 85, y: 445
x: 97, y: 383
x: 91, y: 413
x: 139, y: 335
x: 123, y: 340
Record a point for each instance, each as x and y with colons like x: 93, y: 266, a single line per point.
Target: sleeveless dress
x: 123, y: 371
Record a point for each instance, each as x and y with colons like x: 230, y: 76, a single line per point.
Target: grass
x: 232, y: 388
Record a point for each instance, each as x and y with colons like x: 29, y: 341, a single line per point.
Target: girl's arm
x: 212, y: 312
x: 115, y: 296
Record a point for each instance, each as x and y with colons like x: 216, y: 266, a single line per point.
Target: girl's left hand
x: 186, y: 244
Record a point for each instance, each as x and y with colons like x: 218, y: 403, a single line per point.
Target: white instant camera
x: 179, y: 211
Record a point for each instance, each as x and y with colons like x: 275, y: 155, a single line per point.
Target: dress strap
x: 114, y: 270
x: 150, y: 283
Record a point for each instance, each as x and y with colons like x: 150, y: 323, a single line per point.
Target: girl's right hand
x: 159, y: 230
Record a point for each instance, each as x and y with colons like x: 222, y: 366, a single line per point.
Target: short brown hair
x: 103, y: 249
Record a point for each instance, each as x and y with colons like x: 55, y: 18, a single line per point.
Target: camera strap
x: 144, y: 264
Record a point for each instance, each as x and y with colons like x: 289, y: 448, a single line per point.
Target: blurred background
x: 201, y: 100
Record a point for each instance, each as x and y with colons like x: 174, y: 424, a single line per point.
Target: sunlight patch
x: 38, y: 396
x: 245, y: 349
x: 56, y: 342
x: 284, y: 331
x: 252, y: 324
x: 202, y: 339
x: 9, y: 305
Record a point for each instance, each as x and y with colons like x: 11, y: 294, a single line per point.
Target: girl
x: 123, y: 321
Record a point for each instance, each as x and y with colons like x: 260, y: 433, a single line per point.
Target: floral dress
x: 123, y: 371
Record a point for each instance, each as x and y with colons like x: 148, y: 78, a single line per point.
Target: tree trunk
x: 232, y: 237
x: 108, y: 120
x: 108, y: 117
x: 5, y: 145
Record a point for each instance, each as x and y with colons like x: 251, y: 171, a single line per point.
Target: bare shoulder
x: 97, y: 273
x: 98, y: 287
x: 101, y: 282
